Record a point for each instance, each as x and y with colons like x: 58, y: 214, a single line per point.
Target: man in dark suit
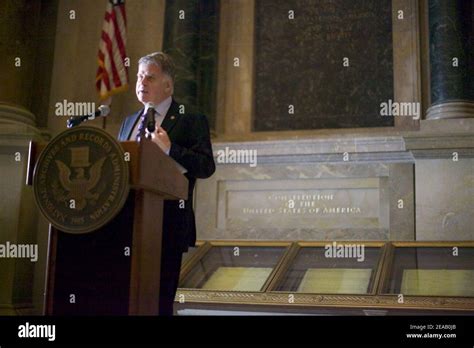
x: 185, y: 138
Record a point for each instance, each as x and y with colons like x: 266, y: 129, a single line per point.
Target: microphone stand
x: 76, y: 121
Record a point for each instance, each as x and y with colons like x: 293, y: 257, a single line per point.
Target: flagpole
x: 108, y: 102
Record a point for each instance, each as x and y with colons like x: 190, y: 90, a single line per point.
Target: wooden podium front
x: 115, y: 270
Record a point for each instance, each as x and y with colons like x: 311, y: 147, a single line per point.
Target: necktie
x: 141, y: 127
x: 146, y: 119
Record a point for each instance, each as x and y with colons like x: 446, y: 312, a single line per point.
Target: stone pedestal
x: 309, y: 189
x: 18, y: 212
x: 444, y: 173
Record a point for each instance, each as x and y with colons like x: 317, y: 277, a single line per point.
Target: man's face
x: 153, y: 86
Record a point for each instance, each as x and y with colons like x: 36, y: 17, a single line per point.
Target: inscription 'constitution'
x: 329, y: 207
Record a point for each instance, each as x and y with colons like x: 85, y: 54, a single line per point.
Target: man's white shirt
x: 161, y: 111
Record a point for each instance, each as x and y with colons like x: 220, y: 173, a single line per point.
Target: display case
x: 190, y: 254
x: 434, y: 269
x: 331, y: 268
x: 235, y: 267
x: 350, y: 278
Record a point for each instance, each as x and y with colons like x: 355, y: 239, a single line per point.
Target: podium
x: 115, y: 270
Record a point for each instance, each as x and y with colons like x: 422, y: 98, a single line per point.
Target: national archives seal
x: 81, y: 180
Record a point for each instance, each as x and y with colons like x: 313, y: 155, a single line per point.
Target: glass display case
x: 331, y: 268
x: 233, y: 267
x: 436, y: 269
x: 349, y: 278
x: 191, y: 253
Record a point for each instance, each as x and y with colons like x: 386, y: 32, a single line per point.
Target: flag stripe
x: 110, y: 56
x: 117, y: 33
x: 112, y: 74
x: 104, y: 76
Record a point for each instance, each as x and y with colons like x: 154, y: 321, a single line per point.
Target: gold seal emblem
x: 81, y: 180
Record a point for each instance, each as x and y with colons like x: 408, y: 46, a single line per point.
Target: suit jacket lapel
x: 131, y: 124
x: 171, y: 117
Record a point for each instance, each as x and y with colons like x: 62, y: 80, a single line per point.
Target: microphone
x: 150, y: 119
x: 102, y: 111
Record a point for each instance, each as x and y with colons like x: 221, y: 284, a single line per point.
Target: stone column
x: 18, y: 213
x: 236, y: 68
x: 190, y: 37
x: 452, y: 59
x: 181, y: 41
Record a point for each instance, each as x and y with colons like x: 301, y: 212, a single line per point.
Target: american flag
x: 112, y: 75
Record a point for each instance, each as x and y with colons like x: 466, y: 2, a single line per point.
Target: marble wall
x: 431, y: 171
x: 191, y: 38
x: 447, y: 191
x: 331, y: 60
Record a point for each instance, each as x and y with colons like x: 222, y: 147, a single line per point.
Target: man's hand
x: 160, y: 138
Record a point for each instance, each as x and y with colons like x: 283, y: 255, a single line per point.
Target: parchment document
x: 336, y: 281
x: 438, y: 282
x: 238, y: 278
